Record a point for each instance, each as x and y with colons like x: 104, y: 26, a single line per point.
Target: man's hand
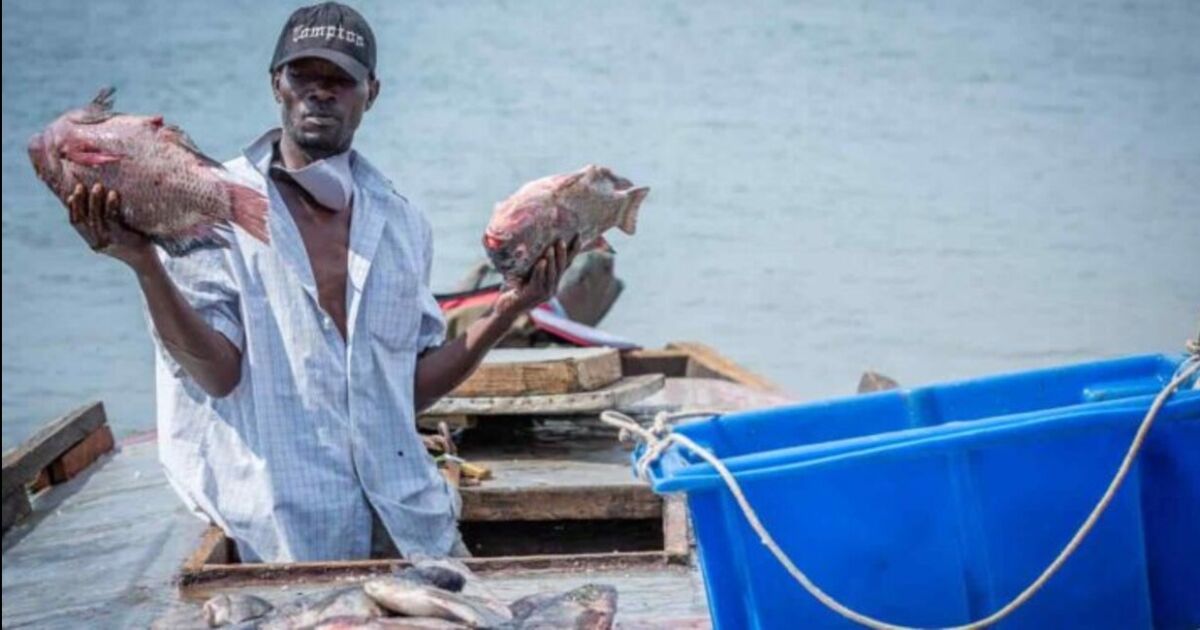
x: 96, y: 215
x: 542, y: 283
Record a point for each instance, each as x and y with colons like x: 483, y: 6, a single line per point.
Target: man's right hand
x: 96, y: 215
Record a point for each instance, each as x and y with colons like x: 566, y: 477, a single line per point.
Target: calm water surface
x: 930, y: 189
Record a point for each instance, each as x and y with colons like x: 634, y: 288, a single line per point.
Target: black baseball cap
x: 330, y: 31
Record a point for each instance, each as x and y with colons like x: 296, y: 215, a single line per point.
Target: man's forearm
x: 441, y: 370
x: 213, y: 361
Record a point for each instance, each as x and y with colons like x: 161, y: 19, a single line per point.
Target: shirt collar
x: 260, y: 151
x: 330, y: 181
x: 259, y: 154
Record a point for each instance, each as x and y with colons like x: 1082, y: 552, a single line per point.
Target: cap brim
x: 352, y: 66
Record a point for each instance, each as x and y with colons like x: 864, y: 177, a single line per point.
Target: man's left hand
x: 542, y: 283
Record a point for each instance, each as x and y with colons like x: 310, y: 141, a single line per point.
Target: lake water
x: 931, y: 189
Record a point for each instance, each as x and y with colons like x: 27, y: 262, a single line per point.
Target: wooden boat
x: 104, y: 541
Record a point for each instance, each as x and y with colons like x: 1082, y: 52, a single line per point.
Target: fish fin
x: 601, y: 244
x: 174, y: 134
x: 249, y: 209
x: 89, y: 154
x: 99, y: 110
x: 200, y: 237
x: 633, y: 199
x: 573, y: 178
x: 618, y: 182
x: 104, y: 98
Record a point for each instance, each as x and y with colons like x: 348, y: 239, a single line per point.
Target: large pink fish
x: 582, y: 204
x: 170, y: 191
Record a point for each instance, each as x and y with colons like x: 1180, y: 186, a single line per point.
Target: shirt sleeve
x: 432, y: 332
x: 206, y: 281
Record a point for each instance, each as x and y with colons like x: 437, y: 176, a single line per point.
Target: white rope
x: 659, y: 437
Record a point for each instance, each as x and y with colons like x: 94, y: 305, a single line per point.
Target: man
x: 289, y: 373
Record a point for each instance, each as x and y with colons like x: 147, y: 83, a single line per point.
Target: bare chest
x: 326, y: 236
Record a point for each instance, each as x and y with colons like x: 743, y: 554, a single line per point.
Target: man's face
x: 322, y: 105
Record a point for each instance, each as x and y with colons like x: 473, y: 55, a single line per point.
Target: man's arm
x: 442, y: 369
x: 211, y: 359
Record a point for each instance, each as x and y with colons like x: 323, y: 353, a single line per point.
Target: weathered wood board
x: 706, y: 394
x: 16, y: 507
x: 23, y: 464
x: 79, y: 457
x: 619, y: 394
x: 545, y: 486
x: 196, y: 582
x: 703, y: 361
x: 666, y: 362
x: 484, y: 503
x: 58, y: 452
x: 872, y: 381
x: 542, y: 371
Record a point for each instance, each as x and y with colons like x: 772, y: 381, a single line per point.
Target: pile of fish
x: 431, y: 595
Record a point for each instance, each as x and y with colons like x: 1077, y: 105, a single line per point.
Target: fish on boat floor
x: 663, y: 597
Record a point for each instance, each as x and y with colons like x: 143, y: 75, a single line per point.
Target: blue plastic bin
x: 935, y: 506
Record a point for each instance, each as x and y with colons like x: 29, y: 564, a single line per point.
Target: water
x: 929, y: 189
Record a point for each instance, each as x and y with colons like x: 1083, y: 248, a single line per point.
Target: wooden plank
x: 707, y: 362
x: 455, y: 422
x: 213, y: 549
x: 669, y: 363
x: 16, y: 507
x: 485, y: 503
x: 82, y: 455
x: 41, y: 482
x: 23, y: 464
x: 195, y: 582
x: 542, y: 371
x: 624, y: 392
x: 875, y: 382
x: 676, y: 528
x: 706, y: 394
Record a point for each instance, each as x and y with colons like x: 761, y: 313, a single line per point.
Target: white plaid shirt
x: 320, y: 429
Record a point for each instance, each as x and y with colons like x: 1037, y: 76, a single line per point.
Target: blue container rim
x: 674, y: 472
x: 921, y: 442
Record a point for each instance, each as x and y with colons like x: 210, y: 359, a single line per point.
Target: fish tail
x: 249, y: 210
x: 629, y: 214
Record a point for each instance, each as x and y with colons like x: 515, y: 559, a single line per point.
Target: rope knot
x: 657, y: 437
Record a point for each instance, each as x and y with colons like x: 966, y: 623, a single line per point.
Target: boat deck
x: 114, y: 546
x: 104, y: 550
x: 101, y: 550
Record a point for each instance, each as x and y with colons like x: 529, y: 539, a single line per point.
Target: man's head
x: 323, y: 76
